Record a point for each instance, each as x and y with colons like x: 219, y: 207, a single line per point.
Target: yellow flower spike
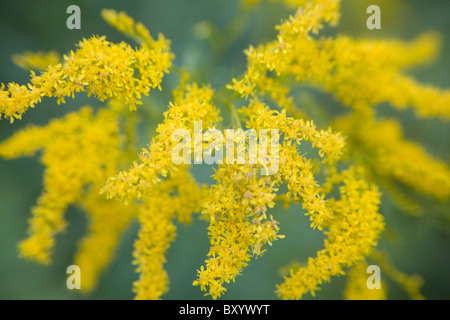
x: 240, y: 199
x: 287, y: 3
x: 36, y: 60
x: 156, y: 162
x: 390, y: 157
x: 125, y: 24
x: 99, y: 68
x: 329, y: 143
x: 356, y: 288
x: 411, y: 284
x: 355, y: 230
x: 158, y: 231
x: 84, y: 152
x: 107, y: 221
x: 238, y: 226
x: 360, y: 73
x: 155, y: 235
x: 65, y: 146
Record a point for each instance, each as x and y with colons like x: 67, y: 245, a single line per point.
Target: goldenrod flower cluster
x: 36, y: 60
x: 354, y: 230
x: 361, y: 74
x: 356, y: 288
x: 392, y: 158
x: 86, y: 154
x: 98, y: 67
x: 69, y: 179
x: 158, y: 230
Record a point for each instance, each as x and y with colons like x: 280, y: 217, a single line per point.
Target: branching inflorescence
x: 156, y: 191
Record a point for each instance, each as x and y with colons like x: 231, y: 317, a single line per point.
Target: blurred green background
x: 421, y: 246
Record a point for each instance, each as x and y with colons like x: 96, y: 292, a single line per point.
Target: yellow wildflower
x: 355, y: 228
x: 85, y: 153
x: 158, y: 231
x: 65, y: 145
x: 36, y: 60
x: 107, y: 220
x: 156, y: 162
x: 390, y: 157
x: 125, y: 24
x: 99, y: 68
x: 411, y: 284
x: 357, y: 289
x: 360, y: 73
x: 239, y: 225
